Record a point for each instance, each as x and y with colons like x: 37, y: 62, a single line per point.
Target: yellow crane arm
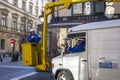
x: 48, y: 10
x: 35, y: 54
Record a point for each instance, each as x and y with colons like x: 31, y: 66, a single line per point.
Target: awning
x: 61, y: 25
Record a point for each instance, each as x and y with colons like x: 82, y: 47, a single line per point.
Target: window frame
x: 30, y: 25
x: 36, y: 1
x: 74, y: 8
x: 2, y: 44
x: 14, y: 23
x: 36, y: 12
x: 15, y: 2
x: 24, y: 5
x: 4, y: 21
x: 71, y: 40
x: 89, y: 8
x: 30, y: 9
x: 22, y: 27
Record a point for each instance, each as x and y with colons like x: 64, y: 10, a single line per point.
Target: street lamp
x: 40, y: 27
x: 41, y: 17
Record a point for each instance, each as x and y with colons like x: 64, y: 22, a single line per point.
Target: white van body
x: 101, y: 58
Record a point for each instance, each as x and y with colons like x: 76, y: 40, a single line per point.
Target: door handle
x: 84, y: 60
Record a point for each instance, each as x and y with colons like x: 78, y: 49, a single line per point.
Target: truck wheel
x: 63, y: 75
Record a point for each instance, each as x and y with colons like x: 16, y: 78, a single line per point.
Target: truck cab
x: 101, y: 58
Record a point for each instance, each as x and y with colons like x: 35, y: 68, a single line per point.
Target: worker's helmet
x: 31, y: 30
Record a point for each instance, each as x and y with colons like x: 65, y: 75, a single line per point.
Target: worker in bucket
x: 32, y: 37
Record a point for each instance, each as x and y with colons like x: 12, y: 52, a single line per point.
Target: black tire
x: 64, y: 75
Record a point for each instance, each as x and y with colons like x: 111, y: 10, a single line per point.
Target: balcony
x: 11, y: 30
x: 14, y: 30
x: 4, y: 28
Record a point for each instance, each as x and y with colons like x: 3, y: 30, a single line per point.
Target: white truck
x: 101, y: 58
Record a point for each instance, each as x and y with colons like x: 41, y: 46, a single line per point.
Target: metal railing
x: 11, y: 30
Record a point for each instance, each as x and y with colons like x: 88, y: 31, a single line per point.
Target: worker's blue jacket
x: 76, y: 48
x: 33, y: 38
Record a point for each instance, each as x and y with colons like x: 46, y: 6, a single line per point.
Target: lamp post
x: 25, y: 28
x: 41, y: 17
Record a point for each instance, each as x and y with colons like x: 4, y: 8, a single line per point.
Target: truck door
x: 83, y: 66
x: 79, y: 60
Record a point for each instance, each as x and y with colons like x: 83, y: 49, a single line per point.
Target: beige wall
x: 63, y: 32
x: 64, y: 12
x: 17, y: 35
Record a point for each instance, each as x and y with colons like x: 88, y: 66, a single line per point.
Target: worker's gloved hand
x: 32, y: 37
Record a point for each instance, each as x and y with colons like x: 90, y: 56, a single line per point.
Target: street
x: 16, y: 71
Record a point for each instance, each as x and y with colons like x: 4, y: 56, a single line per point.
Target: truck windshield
x: 76, y: 42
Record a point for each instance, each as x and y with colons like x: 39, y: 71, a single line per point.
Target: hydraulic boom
x: 44, y: 64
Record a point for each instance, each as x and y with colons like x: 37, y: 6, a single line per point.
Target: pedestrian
x: 1, y: 58
x: 32, y: 37
x: 78, y: 47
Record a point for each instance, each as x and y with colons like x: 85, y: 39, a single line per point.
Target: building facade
x: 82, y: 13
x: 90, y: 12
x: 17, y: 17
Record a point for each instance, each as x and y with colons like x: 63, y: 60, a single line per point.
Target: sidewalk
x: 8, y: 59
x: 7, y: 62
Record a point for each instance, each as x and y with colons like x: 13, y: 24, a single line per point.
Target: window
x: 14, y: 23
x: 30, y: 25
x: 2, y: 44
x: 72, y: 41
x: 36, y: 1
x: 4, y: 21
x: 24, y: 5
x: 15, y: 2
x: 22, y: 28
x: 30, y: 9
x: 77, y: 35
x: 82, y: 8
x: 87, y: 8
x: 77, y: 8
x: 99, y: 7
x: 36, y: 11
